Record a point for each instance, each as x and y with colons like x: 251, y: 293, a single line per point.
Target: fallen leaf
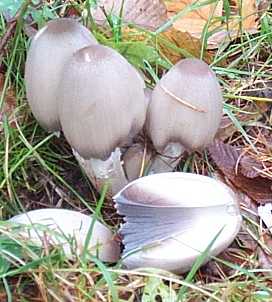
x: 241, y: 17
x: 250, y: 167
x: 248, y: 14
x: 227, y: 159
x: 265, y: 260
x: 194, y: 21
x: 145, y: 13
x: 175, y: 45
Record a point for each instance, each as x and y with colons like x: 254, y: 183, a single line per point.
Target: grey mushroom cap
x: 168, y: 223
x: 50, y: 49
x: 60, y: 224
x: 186, y: 106
x: 104, y: 106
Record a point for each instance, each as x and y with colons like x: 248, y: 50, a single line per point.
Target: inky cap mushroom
x: 49, y: 50
x: 186, y: 106
x: 102, y: 101
x: 170, y: 218
x: 60, y: 224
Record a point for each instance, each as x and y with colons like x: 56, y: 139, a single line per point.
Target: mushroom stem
x: 168, y: 160
x: 101, y: 171
x: 136, y: 159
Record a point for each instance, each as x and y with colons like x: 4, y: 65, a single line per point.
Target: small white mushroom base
x: 99, y: 172
x: 56, y: 226
x: 168, y: 160
x: 138, y: 160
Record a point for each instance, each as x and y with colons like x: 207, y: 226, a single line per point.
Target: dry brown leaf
x: 250, y: 167
x: 194, y: 22
x: 180, y: 40
x: 146, y: 13
x: 248, y: 14
x: 227, y: 159
x: 227, y: 128
x: 9, y: 105
x: 265, y: 255
x: 265, y: 260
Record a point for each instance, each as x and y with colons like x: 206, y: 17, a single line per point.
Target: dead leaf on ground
x: 9, y: 105
x: 175, y: 45
x: 145, y: 13
x: 227, y: 128
x: 265, y: 260
x: 241, y: 17
x: 194, y: 21
x: 265, y: 255
x: 228, y: 159
x: 248, y: 112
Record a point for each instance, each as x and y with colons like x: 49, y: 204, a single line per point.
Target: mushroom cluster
x: 99, y: 101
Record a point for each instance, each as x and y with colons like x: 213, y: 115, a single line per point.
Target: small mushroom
x: 171, y: 218
x: 57, y: 226
x: 51, y: 47
x: 186, y: 107
x: 101, y: 103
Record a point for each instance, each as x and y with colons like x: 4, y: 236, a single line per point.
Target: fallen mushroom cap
x: 170, y: 218
x: 101, y: 101
x: 146, y: 13
x: 49, y: 50
x: 67, y: 223
x: 186, y: 106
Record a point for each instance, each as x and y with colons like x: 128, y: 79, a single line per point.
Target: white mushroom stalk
x: 102, y: 107
x: 59, y: 227
x: 170, y: 218
x: 136, y: 160
x: 185, y: 110
x: 110, y: 171
x: 168, y: 160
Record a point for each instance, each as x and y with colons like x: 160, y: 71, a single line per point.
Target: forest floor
x: 38, y: 169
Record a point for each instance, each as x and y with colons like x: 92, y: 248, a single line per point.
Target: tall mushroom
x: 101, y: 107
x: 50, y: 49
x: 185, y: 109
